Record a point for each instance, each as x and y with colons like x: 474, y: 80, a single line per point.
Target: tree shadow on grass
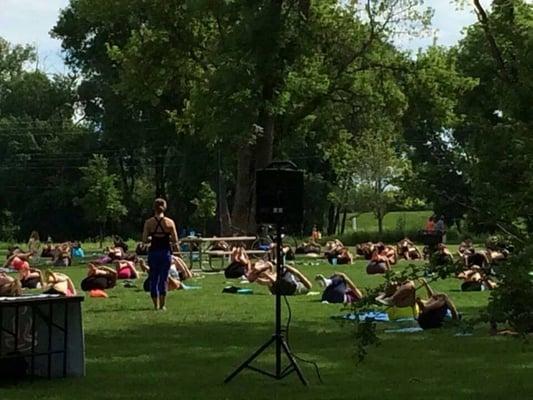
x: 158, y: 358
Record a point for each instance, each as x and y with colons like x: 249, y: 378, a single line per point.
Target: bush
x: 394, y: 236
x: 8, y: 229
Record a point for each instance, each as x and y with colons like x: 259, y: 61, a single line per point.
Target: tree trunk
x: 331, y: 220
x: 159, y: 166
x: 343, y: 223
x: 336, y: 220
x: 101, y: 235
x: 379, y: 216
x: 243, y: 185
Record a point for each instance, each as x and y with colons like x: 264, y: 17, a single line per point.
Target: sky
x: 30, y: 21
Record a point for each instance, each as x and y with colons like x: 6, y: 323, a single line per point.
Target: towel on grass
x: 377, y: 316
x: 237, y: 290
x: 411, y: 329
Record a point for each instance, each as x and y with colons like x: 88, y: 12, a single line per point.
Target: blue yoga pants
x: 159, y: 262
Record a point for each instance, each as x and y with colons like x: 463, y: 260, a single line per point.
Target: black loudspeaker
x: 279, y: 194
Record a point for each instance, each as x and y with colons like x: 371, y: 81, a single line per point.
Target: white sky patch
x: 29, y: 22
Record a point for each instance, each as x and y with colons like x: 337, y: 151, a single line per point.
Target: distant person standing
x: 440, y: 227
x: 160, y: 232
x: 34, y: 244
x: 430, y: 224
x: 315, y: 234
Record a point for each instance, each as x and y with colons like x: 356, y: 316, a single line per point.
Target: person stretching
x: 99, y: 278
x: 126, y: 269
x: 434, y: 309
x: 161, y: 232
x: 339, y: 288
x: 379, y: 263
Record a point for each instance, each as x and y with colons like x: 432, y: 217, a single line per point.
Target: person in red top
x: 18, y: 261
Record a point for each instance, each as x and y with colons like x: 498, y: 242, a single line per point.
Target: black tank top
x: 160, y: 239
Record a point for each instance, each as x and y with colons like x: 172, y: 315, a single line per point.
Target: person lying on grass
x: 9, y: 286
x: 442, y: 256
x: 99, y: 278
x: 174, y: 276
x: 292, y: 281
x: 239, y: 265
x: 480, y: 258
x: 61, y: 255
x: 335, y: 250
x: 308, y: 248
x: 407, y: 249
x: 338, y: 288
x: 57, y: 283
x: 380, y: 262
x: 18, y: 261
x: 31, y: 278
x: 398, y: 294
x: 434, y: 309
x: 126, y: 269
x: 475, y: 279
x: 365, y: 249
x: 465, y: 247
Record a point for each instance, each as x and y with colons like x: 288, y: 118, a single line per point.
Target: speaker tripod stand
x: 278, y: 338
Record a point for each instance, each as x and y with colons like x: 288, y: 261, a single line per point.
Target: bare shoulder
x: 169, y: 221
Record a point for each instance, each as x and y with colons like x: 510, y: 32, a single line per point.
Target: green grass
x: 367, y: 222
x: 186, y: 352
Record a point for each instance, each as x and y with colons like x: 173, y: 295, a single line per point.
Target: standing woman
x: 160, y: 231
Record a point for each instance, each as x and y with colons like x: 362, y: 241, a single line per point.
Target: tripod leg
x: 293, y: 362
x: 250, y: 359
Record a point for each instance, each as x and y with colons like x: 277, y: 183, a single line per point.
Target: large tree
x: 262, y: 73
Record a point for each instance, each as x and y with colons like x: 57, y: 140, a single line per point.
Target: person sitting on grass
x: 407, y: 249
x: 77, y: 250
x: 61, y: 255
x: 31, y: 278
x: 476, y: 280
x: 141, y: 249
x: 392, y: 254
x: 99, y: 278
x: 398, y: 294
x: 433, y: 311
x: 179, y: 269
x: 337, y: 253
x: 48, y: 250
x: 18, y: 261
x: 118, y: 242
x: 308, y: 248
x: 57, y: 283
x: 379, y: 263
x: 339, y: 288
x: 442, y: 256
x: 465, y: 247
x: 173, y: 281
x: 365, y: 249
x: 292, y: 281
x: 34, y: 244
x: 9, y: 286
x: 126, y: 269
x: 479, y: 258
x: 239, y: 264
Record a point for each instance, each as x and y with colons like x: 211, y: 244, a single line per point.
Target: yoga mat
x: 187, y: 287
x: 412, y: 329
x: 377, y: 316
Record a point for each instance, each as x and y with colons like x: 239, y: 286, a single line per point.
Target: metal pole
x: 279, y: 261
x: 219, y: 184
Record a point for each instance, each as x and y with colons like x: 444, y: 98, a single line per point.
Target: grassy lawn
x: 135, y: 353
x: 413, y: 220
